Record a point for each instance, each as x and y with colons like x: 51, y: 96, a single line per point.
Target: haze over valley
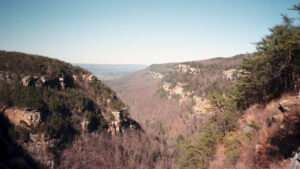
x: 111, y: 71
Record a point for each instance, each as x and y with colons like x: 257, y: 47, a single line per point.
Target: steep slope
x: 48, y: 106
x: 265, y: 138
x: 266, y: 98
x: 171, y: 99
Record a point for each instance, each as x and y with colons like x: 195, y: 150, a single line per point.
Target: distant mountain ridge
x: 111, y: 71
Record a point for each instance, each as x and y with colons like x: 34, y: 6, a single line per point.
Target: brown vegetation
x: 273, y: 143
x: 127, y: 150
x: 171, y: 119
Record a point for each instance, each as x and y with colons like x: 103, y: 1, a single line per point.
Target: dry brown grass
x: 272, y: 144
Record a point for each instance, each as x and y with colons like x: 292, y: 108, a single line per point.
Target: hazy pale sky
x: 137, y: 31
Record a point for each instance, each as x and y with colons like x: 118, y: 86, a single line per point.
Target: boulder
x: 62, y: 82
x: 27, y: 80
x: 89, y: 77
x: 283, y: 106
x: 19, y: 116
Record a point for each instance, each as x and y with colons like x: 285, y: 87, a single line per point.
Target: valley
x: 238, y: 112
x: 171, y: 99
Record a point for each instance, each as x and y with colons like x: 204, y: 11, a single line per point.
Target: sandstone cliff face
x: 33, y: 80
x: 22, y: 116
x: 38, y: 145
x: 201, y: 105
x: 115, y: 125
x: 38, y: 81
x: 186, y: 68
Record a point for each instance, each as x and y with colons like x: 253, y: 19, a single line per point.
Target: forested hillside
x: 236, y: 112
x: 272, y: 71
x: 198, y: 107
x: 48, y: 106
x: 172, y: 100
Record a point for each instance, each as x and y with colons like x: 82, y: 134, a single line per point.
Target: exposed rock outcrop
x: 69, y: 100
x: 89, y: 77
x: 115, y: 125
x: 22, y: 116
x: 295, y: 161
x: 58, y: 81
x: 274, y: 132
x: 119, y: 124
x: 233, y: 74
x: 27, y: 80
x: 156, y: 75
x: 229, y: 73
x: 177, y: 90
x: 62, y: 82
x: 186, y: 68
x: 282, y: 106
x: 37, y: 81
x: 84, y: 126
x: 38, y: 145
x: 201, y: 105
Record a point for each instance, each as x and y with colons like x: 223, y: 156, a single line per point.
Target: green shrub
x: 197, y: 152
x: 232, y: 155
x: 232, y: 143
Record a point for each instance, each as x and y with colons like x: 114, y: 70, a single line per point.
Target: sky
x: 137, y: 31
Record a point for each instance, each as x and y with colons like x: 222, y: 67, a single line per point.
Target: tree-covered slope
x: 46, y: 105
x: 272, y: 72
x: 172, y: 100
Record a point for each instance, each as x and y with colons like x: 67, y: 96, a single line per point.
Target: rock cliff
x: 46, y: 104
